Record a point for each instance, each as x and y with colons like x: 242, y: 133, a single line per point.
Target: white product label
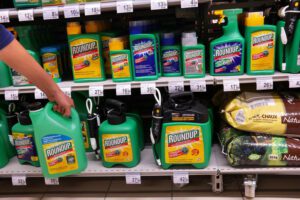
x: 51, y: 181
x: 265, y: 83
x: 11, y: 95
x: 124, y: 6
x: 294, y: 81
x: 18, y: 180
x: 39, y: 94
x: 92, y: 9
x: 25, y: 15
x: 71, y: 11
x: 67, y: 91
x: 50, y: 13
x: 148, y: 88
x: 123, y: 89
x: 231, y: 85
x: 181, y: 178
x: 283, y: 66
x: 133, y: 178
x: 159, y: 4
x: 4, y: 16
x: 189, y: 3
x: 198, y: 85
x: 96, y: 91
x: 176, y: 86
x: 298, y: 60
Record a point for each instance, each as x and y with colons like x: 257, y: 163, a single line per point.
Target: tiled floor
x: 159, y: 188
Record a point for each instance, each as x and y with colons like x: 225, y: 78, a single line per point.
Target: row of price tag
x: 73, y: 11
x: 21, y: 180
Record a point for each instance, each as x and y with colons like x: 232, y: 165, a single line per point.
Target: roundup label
x: 193, y: 60
x: 50, y: 64
x: 227, y: 57
x: 144, y: 57
x: 262, y: 50
x: 60, y: 153
x: 117, y: 148
x: 25, y: 147
x: 120, y: 66
x: 171, y: 61
x: 85, y: 58
x: 106, y: 58
x: 184, y: 145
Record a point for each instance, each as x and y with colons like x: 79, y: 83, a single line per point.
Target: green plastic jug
x: 58, y: 141
x: 5, y: 79
x: 118, y: 137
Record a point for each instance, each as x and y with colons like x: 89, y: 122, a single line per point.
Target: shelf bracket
x: 250, y: 183
x: 217, y: 183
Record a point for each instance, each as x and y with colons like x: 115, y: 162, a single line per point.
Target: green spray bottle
x: 227, y: 51
x: 260, y: 45
x: 118, y: 137
x: 193, y: 56
x: 58, y: 141
x: 5, y: 80
x: 120, y: 60
x: 52, y: 62
x: 23, y: 136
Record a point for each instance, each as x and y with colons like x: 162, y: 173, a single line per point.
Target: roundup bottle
x: 51, y: 59
x: 120, y: 60
x: 144, y: 53
x: 27, y: 3
x: 260, y: 45
x: 118, y: 136
x: 5, y: 80
x: 23, y: 136
x: 58, y: 141
x: 171, y: 58
x: 193, y: 56
x: 227, y: 51
x: 85, y: 51
x: 181, y: 132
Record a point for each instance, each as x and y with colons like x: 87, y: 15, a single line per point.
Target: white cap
x: 189, y: 39
x: 189, y: 34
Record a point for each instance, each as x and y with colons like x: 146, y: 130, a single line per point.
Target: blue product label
x: 144, y: 57
x: 227, y: 57
x: 171, y: 61
x: 25, y: 147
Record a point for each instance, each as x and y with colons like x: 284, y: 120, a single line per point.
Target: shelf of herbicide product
x: 146, y: 167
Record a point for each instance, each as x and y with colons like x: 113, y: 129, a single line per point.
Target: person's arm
x: 15, y: 56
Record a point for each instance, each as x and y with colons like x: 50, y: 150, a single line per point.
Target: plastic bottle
x: 53, y: 2
x: 85, y: 51
x: 227, y: 51
x: 144, y: 53
x: 121, y: 65
x: 51, y: 59
x: 23, y: 136
x: 170, y: 55
x: 260, y: 42
x: 27, y: 3
x: 6, y: 79
x: 58, y: 141
x: 193, y: 56
x: 118, y: 136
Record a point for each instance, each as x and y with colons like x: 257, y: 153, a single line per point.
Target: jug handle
x: 74, y: 115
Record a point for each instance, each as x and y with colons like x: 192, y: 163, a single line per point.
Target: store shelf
x: 109, y: 84
x: 147, y: 167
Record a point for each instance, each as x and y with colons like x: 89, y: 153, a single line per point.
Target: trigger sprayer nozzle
x: 221, y: 14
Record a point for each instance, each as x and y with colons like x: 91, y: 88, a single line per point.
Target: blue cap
x: 136, y: 27
x: 51, y: 49
x: 168, y: 39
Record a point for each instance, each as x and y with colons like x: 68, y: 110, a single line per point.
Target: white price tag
x: 294, y: 81
x: 198, y: 85
x: 67, y: 91
x: 159, y: 4
x: 39, y: 94
x: 25, y: 15
x: 4, y: 16
x: 50, y: 13
x: 148, y: 88
x: 18, y: 180
x: 176, y: 86
x: 181, y: 178
x: 92, y: 9
x: 71, y: 11
x: 51, y: 181
x: 264, y: 83
x: 133, y: 178
x: 123, y: 89
x: 124, y: 6
x: 96, y: 91
x: 11, y: 95
x: 231, y: 85
x: 189, y: 3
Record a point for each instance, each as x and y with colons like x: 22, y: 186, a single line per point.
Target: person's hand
x: 63, y: 103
